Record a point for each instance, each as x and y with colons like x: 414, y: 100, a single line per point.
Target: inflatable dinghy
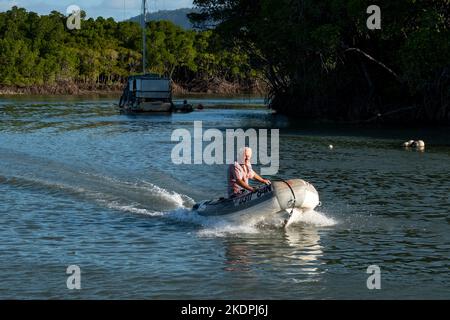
x: 280, y: 197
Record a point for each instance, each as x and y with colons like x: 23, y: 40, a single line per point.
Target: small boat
x: 183, y: 107
x: 279, y: 199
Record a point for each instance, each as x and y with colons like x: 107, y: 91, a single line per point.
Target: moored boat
x: 147, y: 93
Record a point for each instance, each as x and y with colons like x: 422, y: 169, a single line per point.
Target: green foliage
x: 321, y: 60
x: 39, y: 50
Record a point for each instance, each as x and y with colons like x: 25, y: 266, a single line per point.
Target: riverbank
x: 212, y: 86
x: 61, y: 88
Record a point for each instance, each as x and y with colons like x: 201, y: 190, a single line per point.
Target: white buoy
x: 420, y: 144
x: 330, y: 146
x: 410, y: 143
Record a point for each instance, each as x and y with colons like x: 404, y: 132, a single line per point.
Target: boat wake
x: 134, y: 197
x: 84, y: 184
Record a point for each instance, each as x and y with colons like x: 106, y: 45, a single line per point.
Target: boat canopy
x: 150, y: 86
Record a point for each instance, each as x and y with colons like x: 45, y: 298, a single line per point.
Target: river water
x: 81, y: 184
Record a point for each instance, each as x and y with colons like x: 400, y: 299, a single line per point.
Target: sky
x: 118, y: 9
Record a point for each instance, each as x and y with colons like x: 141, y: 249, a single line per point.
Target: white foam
x: 212, y: 226
x: 216, y: 227
x: 154, y: 190
x: 130, y: 208
x: 178, y: 199
x: 310, y: 217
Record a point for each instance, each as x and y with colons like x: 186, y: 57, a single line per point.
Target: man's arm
x: 258, y: 178
x: 244, y: 185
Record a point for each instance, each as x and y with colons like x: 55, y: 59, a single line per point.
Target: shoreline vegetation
x: 311, y: 59
x: 322, y: 61
x: 214, y: 86
x: 39, y: 55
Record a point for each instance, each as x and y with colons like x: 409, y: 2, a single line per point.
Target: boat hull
x: 267, y: 201
x: 148, y: 107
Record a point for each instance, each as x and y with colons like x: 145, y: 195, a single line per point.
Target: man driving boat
x: 240, y: 172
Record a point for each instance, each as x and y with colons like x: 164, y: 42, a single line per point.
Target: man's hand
x: 266, y: 181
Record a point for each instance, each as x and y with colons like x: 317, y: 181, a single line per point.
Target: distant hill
x: 178, y: 17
